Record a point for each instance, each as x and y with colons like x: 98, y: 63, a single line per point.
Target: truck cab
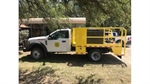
x: 57, y: 41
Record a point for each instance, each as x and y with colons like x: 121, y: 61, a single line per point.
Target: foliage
x: 113, y: 13
x: 97, y: 12
x: 23, y: 34
x: 41, y: 9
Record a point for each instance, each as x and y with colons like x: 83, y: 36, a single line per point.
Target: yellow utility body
x: 84, y: 39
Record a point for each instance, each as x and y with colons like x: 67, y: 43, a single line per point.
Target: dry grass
x: 73, y: 69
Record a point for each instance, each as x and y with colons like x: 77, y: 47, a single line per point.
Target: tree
x: 47, y: 9
x: 97, y: 12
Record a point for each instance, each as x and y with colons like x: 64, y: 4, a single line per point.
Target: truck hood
x: 37, y: 38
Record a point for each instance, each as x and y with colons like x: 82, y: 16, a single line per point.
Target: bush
x: 23, y: 34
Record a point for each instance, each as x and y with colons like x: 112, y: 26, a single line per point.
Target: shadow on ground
x: 75, y: 60
x: 88, y: 80
x: 45, y: 76
x: 38, y: 76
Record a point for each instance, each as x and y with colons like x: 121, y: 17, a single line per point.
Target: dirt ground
x: 74, y: 69
x: 127, y: 57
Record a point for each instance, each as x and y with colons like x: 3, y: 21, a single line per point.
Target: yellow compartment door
x: 80, y: 39
x: 80, y: 50
x: 117, y: 50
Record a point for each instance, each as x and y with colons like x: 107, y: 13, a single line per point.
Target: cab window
x: 60, y: 34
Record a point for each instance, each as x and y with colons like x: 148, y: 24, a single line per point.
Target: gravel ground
x: 127, y: 57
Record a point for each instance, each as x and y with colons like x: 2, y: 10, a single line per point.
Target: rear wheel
x: 95, y: 55
x: 37, y: 53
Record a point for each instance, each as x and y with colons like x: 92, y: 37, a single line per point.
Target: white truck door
x: 60, y: 41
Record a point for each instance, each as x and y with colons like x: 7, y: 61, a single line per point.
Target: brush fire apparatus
x: 92, y: 41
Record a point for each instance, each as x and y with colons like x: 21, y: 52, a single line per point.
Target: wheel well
x: 41, y: 46
x: 37, y: 46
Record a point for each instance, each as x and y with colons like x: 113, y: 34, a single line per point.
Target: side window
x: 64, y: 34
x: 60, y: 34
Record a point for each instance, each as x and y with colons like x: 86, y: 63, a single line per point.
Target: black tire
x: 95, y: 55
x: 119, y: 41
x: 37, y: 53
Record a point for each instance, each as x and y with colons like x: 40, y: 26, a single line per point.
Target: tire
x: 119, y: 41
x: 37, y: 53
x: 95, y: 55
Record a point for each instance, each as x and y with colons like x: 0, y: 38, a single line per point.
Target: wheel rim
x: 36, y: 54
x: 95, y: 56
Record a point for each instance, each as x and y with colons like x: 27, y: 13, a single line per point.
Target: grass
x: 72, y: 69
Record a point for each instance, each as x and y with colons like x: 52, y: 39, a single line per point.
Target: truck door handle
x: 63, y: 41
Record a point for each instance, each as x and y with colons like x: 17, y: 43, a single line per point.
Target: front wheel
x: 37, y: 53
x: 95, y: 55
